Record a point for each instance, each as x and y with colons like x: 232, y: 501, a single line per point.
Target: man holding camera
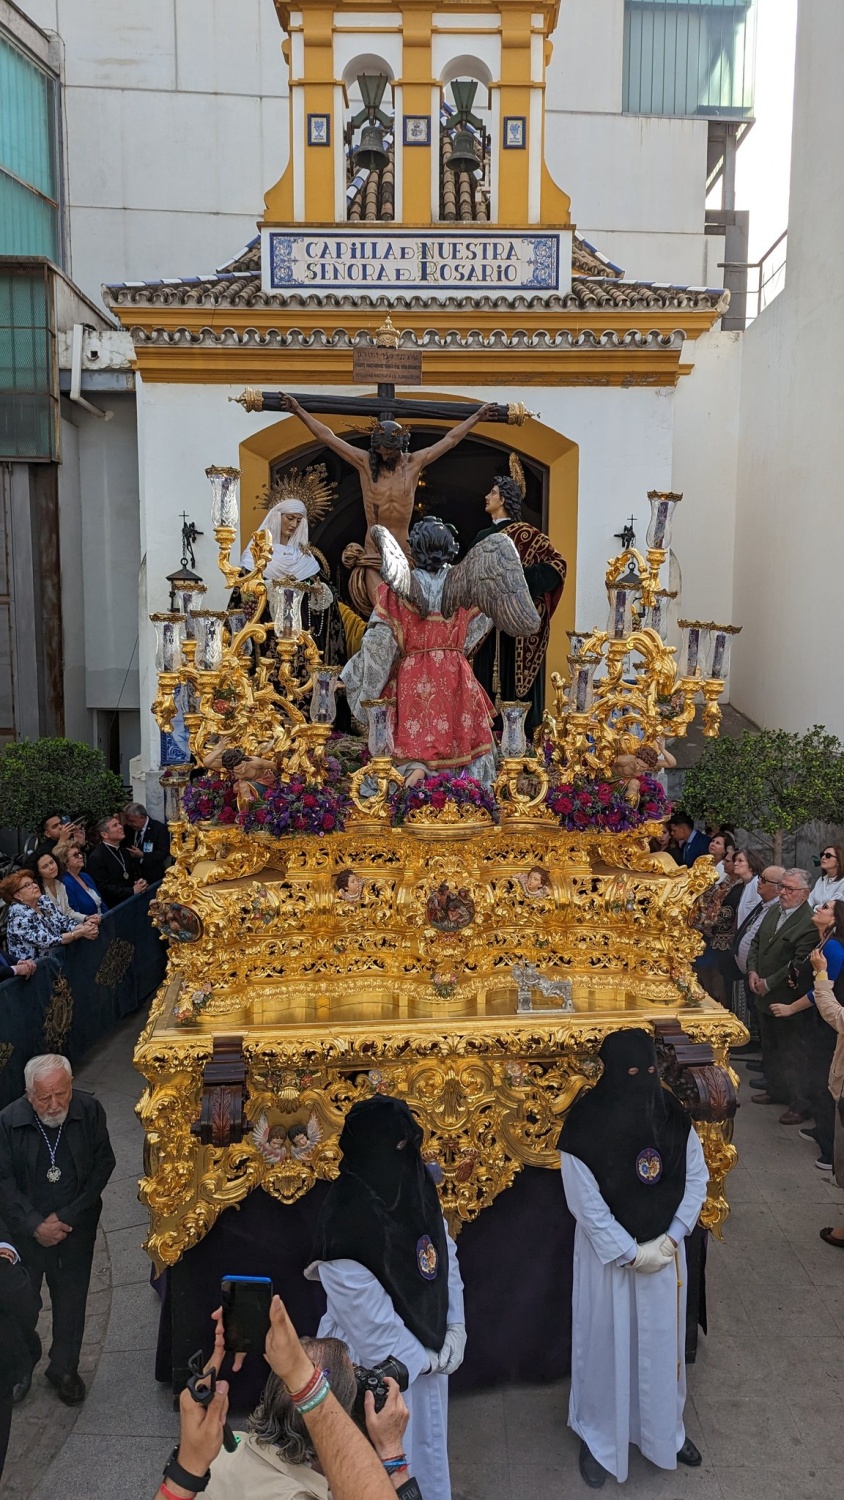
x: 389, y: 1270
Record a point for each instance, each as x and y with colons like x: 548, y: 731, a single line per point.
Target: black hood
x: 384, y: 1212
x: 631, y: 1133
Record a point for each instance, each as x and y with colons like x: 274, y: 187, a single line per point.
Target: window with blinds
x: 689, y: 57
x: 30, y: 175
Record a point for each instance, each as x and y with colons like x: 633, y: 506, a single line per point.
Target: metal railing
x: 768, y: 280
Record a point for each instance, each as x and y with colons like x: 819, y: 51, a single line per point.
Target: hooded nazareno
x: 384, y: 1212
x: 631, y: 1133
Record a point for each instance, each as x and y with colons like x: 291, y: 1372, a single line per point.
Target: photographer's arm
x: 200, y: 1440
x: 351, y: 1466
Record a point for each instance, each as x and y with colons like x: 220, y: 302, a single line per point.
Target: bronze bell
x: 370, y: 154
x: 463, y: 156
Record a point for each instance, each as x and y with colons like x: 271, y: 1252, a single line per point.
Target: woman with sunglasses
x: 830, y: 885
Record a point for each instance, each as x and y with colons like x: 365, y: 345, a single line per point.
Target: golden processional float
x: 334, y: 932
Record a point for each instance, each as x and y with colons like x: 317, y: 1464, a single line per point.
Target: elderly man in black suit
x: 20, y: 1347
x: 147, y: 842
x: 55, y: 1160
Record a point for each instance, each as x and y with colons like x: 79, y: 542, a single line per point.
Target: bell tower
x: 417, y: 114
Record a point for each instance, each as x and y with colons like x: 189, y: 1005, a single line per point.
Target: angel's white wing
x: 314, y: 1129
x: 491, y: 578
x: 395, y: 568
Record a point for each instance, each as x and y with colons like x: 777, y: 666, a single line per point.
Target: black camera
x: 373, y: 1380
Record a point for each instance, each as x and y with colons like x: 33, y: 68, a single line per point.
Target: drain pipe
x: 76, y: 375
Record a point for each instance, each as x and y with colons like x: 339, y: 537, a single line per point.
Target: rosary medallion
x: 649, y: 1166
x: 53, y: 1173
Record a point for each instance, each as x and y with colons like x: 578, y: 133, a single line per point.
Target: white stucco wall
x: 790, y: 516
x: 176, y: 124
x: 175, y: 127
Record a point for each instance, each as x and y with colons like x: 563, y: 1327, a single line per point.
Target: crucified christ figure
x: 388, y: 474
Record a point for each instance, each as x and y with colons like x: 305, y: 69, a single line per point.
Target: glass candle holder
x: 576, y: 640
x: 622, y: 596
x: 323, y: 706
x: 655, y: 616
x: 692, y: 654
x: 190, y: 600
x: 286, y: 598
x: 225, y: 495
x: 381, y: 715
x: 720, y: 650
x: 169, y: 634
x: 209, y: 639
x: 513, y: 737
x: 582, y: 685
x: 663, y: 506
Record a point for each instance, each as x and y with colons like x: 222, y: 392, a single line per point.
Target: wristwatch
x: 173, y: 1470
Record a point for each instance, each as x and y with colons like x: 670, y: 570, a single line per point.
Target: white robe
x: 628, y: 1375
x: 362, y: 1315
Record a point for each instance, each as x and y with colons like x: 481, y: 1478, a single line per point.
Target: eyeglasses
x: 790, y: 888
x: 828, y: 854
x: 766, y: 880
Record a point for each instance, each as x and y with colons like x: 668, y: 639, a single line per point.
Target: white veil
x: 289, y: 559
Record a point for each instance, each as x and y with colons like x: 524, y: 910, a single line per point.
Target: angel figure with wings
x: 424, y: 624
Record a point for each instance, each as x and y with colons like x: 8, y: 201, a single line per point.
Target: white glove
x: 452, y: 1351
x: 653, y: 1256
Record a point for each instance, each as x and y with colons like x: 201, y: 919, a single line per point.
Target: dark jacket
x: 696, y: 844
x: 6, y: 967
x: 87, y: 1136
x: 20, y: 1347
x: 152, y: 866
x: 772, y: 951
x: 106, y: 871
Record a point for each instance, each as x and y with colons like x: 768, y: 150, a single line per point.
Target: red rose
x: 300, y: 821
x: 438, y: 799
x: 604, y: 792
x: 584, y: 799
x: 328, y: 820
x: 227, y: 815
x: 309, y: 800
x: 563, y: 805
x: 581, y: 819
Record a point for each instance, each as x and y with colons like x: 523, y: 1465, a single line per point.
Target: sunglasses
x: 828, y: 854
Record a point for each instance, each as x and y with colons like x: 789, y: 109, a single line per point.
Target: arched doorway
x: 454, y: 487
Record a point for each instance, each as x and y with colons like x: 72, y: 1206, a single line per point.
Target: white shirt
x: 826, y: 889
x: 747, y: 900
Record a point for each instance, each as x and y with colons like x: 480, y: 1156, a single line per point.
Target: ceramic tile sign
x: 438, y: 263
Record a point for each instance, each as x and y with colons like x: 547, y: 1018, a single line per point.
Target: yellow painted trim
x: 298, y: 368
x: 288, y: 437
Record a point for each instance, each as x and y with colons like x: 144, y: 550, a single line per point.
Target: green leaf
x: 769, y: 782
x: 42, y: 776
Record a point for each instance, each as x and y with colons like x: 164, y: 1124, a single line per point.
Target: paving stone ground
x: 765, y: 1396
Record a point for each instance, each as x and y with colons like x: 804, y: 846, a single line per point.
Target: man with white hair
x: 786, y: 935
x: 55, y: 1160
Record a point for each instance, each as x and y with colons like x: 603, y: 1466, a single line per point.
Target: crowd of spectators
x: 75, y: 875
x: 774, y: 954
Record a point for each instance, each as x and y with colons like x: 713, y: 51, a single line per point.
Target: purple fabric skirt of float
x: 515, y: 1259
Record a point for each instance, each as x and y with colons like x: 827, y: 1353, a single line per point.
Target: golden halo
x: 313, y: 487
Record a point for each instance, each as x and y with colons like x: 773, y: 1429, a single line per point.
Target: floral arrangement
x: 438, y: 789
x: 444, y: 984
x: 293, y: 806
x: 601, y: 804
x: 297, y: 806
x: 210, y: 799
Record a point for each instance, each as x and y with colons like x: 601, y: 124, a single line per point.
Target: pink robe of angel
x: 443, y: 716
